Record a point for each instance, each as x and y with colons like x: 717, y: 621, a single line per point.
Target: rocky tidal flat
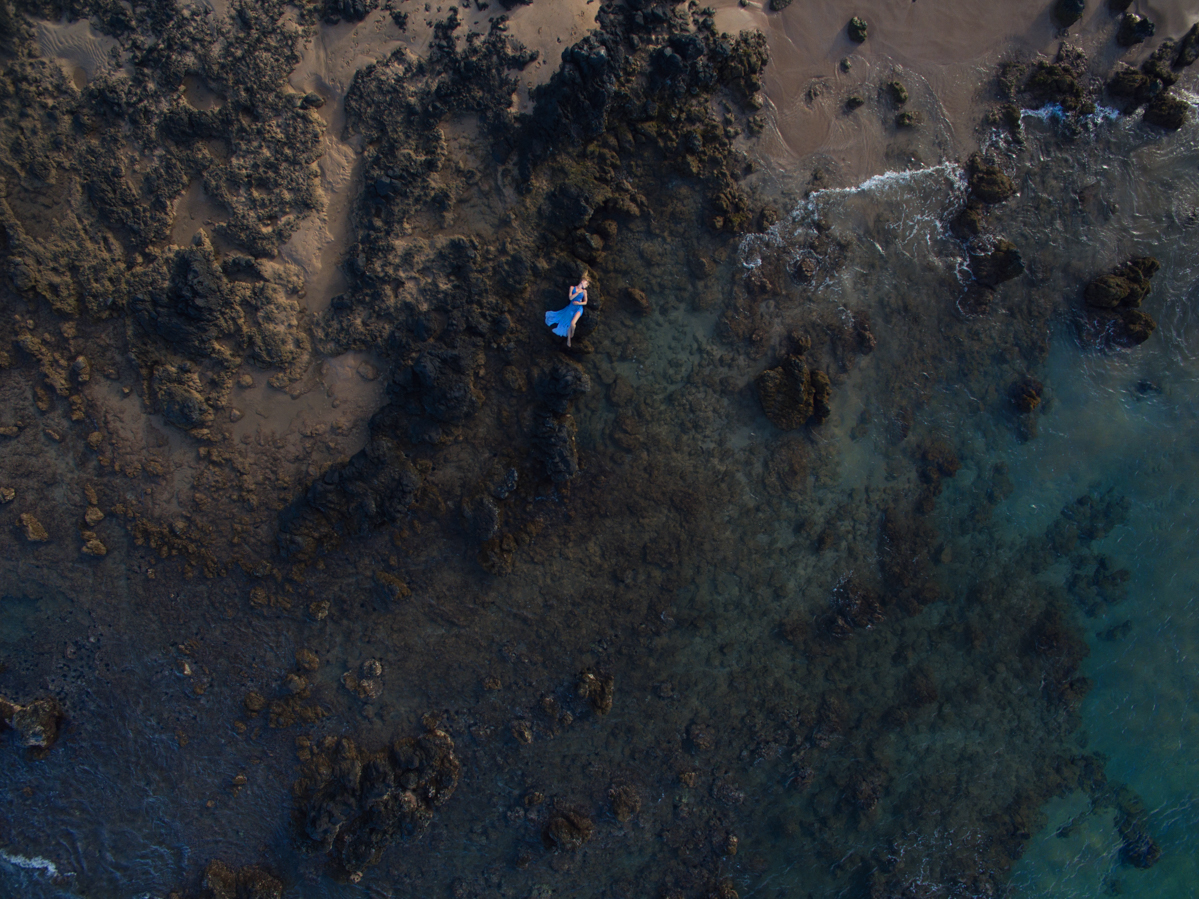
x: 330, y: 571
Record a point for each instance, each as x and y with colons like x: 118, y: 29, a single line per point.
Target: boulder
x: 1134, y: 30
x: 1067, y: 12
x: 856, y: 29
x: 792, y: 395
x: 1126, y: 287
x: 988, y: 183
x: 1003, y: 263
x: 1166, y: 112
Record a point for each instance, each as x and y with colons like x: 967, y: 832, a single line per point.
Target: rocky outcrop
x: 355, y: 804
x: 1001, y: 263
x: 1112, y: 316
x: 792, y: 395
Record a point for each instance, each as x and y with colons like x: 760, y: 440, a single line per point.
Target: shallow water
x: 685, y: 596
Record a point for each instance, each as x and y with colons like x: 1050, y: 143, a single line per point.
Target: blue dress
x: 560, y: 320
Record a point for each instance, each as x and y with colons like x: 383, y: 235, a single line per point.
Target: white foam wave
x: 808, y: 211
x: 37, y: 863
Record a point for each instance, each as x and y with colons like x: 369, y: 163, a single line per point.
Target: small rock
x: 93, y: 516
x: 307, y: 659
x: 568, y: 830
x: 245, y: 382
x: 854, y: 102
x: 34, y: 531
x: 372, y: 668
x: 1026, y: 394
x: 367, y: 372
x: 638, y: 301
x: 7, y: 495
x: 94, y: 548
x: 236, y: 415
x: 897, y: 92
x: 81, y: 369
x: 856, y: 29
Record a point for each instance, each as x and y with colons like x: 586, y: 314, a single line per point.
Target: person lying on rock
x: 564, y: 320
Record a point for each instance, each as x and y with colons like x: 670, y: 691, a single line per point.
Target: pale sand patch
x: 951, y: 48
x: 194, y: 211
x: 79, y: 49
x: 548, y: 28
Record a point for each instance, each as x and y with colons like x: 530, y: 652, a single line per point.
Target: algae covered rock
x: 250, y: 882
x: 355, y: 804
x: 1134, y: 29
x: 1166, y: 112
x: 1126, y: 287
x: 987, y: 182
x: 792, y: 395
x: 856, y: 30
x: 1002, y: 263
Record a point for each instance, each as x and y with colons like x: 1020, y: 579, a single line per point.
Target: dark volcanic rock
x: 180, y: 398
x: 1053, y: 83
x: 559, y: 383
x: 350, y: 10
x: 568, y: 830
x: 1134, y: 29
x: 1067, y: 12
x: 1127, y: 286
x: 1003, y: 263
x: 1166, y: 112
x: 792, y: 395
x: 1188, y: 48
x: 1132, y: 87
x: 987, y: 182
x: 554, y: 444
x: 445, y: 382
x: 356, y: 804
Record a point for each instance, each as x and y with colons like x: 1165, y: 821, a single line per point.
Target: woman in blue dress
x: 564, y: 320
